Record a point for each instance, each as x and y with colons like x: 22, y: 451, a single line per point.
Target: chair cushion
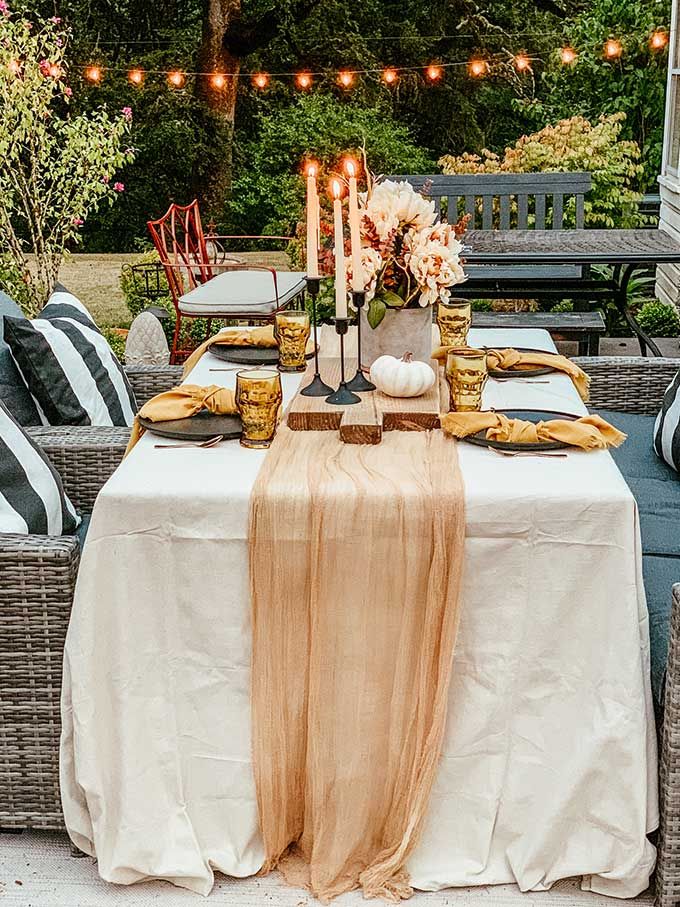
x: 32, y: 497
x: 656, y: 488
x: 245, y: 291
x: 71, y: 370
x: 13, y: 391
x: 667, y: 426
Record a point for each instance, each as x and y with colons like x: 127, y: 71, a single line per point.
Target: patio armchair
x: 215, y: 285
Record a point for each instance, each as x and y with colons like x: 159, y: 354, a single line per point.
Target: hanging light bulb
x: 389, y: 76
x: 218, y: 80
x: 613, y: 49
x: 522, y: 63
x: 478, y: 68
x: 568, y: 55
x: 303, y: 80
x: 659, y: 39
x: 346, y: 78
x: 176, y: 78
x: 93, y: 74
x: 260, y: 80
x: 136, y: 76
x: 434, y: 72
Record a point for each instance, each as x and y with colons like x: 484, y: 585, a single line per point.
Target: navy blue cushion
x: 13, y: 391
x: 656, y: 488
x: 81, y: 531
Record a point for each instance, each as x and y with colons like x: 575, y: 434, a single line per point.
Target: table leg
x: 621, y: 301
x: 593, y: 344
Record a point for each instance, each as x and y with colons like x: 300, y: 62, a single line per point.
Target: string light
x: 136, y: 76
x: 659, y: 39
x: 568, y: 55
x: 478, y: 68
x: 346, y: 78
x: 93, y: 74
x: 303, y: 80
x: 260, y: 80
x: 176, y: 78
x: 522, y: 63
x: 612, y: 49
x: 434, y: 72
x: 389, y: 76
x: 218, y: 81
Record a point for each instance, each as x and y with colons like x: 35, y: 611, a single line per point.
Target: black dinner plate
x: 521, y: 372
x: 249, y: 355
x: 201, y: 427
x: 530, y: 415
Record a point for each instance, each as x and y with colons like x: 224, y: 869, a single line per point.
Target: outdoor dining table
x: 626, y: 251
x: 548, y: 767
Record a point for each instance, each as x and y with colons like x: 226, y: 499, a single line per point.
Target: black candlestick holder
x: 316, y: 387
x: 359, y: 382
x: 343, y: 396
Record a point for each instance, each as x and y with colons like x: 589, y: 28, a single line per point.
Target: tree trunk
x: 213, y: 173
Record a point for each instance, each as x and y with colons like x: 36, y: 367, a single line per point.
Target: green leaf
x: 376, y: 312
x: 393, y: 300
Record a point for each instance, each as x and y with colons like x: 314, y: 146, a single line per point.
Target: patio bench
x: 584, y: 327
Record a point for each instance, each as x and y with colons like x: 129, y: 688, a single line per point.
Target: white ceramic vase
x: 401, y: 331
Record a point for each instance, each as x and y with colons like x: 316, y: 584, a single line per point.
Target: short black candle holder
x: 316, y: 387
x: 359, y: 382
x: 343, y: 396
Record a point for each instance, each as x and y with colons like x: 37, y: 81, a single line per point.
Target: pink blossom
x: 77, y: 221
x: 119, y: 187
x: 55, y: 20
x: 126, y: 111
x: 68, y: 91
x: 44, y: 67
x: 129, y: 151
x: 105, y: 179
x: 4, y: 8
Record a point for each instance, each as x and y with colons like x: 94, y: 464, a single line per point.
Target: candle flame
x: 336, y: 188
x: 311, y: 169
x: 350, y: 169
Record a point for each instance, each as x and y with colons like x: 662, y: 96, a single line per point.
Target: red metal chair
x: 203, y: 287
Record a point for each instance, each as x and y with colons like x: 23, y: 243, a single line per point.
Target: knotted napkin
x: 181, y: 403
x: 239, y: 336
x: 589, y: 432
x: 516, y: 360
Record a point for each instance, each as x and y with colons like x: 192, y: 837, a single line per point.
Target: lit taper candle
x: 340, y: 275
x: 312, y: 223
x: 358, y: 279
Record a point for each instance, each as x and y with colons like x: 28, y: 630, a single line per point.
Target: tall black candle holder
x: 343, y: 396
x: 316, y: 387
x: 359, y: 382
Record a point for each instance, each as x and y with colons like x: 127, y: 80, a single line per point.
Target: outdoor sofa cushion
x: 69, y: 366
x: 13, y: 391
x: 242, y: 290
x: 667, y: 425
x: 32, y: 497
x: 656, y: 488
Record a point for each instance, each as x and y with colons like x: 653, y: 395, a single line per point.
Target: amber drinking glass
x: 258, y: 398
x: 453, y: 320
x: 466, y: 375
x: 291, y: 330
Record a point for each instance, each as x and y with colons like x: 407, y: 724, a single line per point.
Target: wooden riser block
x: 363, y: 423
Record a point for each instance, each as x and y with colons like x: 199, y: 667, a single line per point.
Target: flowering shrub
x: 56, y: 168
x: 570, y: 145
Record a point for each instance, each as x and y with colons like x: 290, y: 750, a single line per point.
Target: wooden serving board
x: 362, y: 423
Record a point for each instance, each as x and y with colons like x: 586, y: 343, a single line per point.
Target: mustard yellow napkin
x: 181, y: 403
x: 509, y: 360
x: 589, y: 432
x: 262, y: 337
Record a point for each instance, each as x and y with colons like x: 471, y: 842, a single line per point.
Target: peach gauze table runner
x: 356, y: 556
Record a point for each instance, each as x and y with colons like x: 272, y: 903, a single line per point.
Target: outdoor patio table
x: 548, y: 767
x: 625, y: 250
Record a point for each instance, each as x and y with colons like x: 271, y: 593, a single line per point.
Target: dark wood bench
x: 584, y: 327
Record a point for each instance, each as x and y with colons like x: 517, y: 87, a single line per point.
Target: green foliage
x: 57, y: 168
x: 268, y: 193
x: 481, y: 305
x: 116, y: 340
x: 573, y: 145
x: 659, y: 319
x: 564, y: 305
x: 634, y: 84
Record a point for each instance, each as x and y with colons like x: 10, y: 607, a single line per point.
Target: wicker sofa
x: 37, y: 581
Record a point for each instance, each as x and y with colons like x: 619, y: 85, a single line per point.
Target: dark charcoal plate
x: 521, y: 372
x: 248, y: 355
x: 201, y: 427
x: 530, y: 415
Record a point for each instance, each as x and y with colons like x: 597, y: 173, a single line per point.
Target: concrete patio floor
x: 37, y: 870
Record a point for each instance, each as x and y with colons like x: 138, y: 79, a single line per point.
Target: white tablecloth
x: 549, y: 763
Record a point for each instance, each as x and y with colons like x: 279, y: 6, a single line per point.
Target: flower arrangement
x: 408, y: 258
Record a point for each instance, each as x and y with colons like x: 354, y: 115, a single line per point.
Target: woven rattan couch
x: 37, y: 581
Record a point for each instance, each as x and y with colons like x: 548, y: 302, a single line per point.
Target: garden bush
x: 659, y: 319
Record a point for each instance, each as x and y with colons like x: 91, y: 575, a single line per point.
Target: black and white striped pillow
x: 69, y: 367
x: 667, y: 426
x: 32, y: 498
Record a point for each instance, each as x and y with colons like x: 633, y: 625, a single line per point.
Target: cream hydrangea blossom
x: 435, y: 269
x: 371, y: 264
x: 394, y: 205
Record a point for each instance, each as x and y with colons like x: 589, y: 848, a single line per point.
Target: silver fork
x: 211, y: 442
x: 526, y: 453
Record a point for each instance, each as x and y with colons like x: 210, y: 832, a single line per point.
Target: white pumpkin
x: 405, y: 377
